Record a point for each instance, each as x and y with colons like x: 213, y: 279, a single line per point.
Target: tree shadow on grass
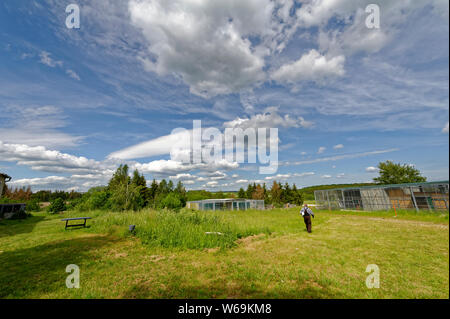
x: 41, y: 270
x: 19, y: 226
x: 175, y: 290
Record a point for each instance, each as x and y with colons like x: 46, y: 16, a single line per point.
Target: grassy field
x: 252, y: 254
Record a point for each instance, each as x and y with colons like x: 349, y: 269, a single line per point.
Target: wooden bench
x: 76, y: 218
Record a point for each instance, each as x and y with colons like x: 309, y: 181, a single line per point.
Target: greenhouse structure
x: 226, y: 204
x: 418, y: 196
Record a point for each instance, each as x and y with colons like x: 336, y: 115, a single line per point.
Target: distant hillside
x: 308, y: 192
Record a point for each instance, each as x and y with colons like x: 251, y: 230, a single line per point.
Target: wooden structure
x: 10, y: 210
x: 3, y: 180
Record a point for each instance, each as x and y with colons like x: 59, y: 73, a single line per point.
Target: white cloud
x: 340, y: 175
x: 73, y: 74
x: 312, y: 66
x: 304, y: 174
x: 158, y: 146
x: 41, y: 159
x: 270, y: 118
x: 445, y: 129
x: 278, y: 176
x: 183, y: 176
x: 207, y: 43
x: 36, y: 126
x: 340, y: 157
x: 338, y: 146
x: 321, y: 150
x: 241, y: 181
x: 175, y: 167
x: 212, y: 184
x: 47, y: 60
x: 326, y: 176
x: 372, y: 169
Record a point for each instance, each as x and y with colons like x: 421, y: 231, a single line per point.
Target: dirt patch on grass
x: 410, y: 222
x: 156, y: 258
x: 249, y: 239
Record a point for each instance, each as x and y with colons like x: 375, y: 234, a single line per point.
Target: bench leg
x: 66, y: 224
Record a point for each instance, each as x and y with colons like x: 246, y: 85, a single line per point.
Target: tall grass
x: 184, y: 229
x: 189, y: 229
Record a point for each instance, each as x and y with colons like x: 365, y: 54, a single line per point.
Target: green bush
x: 33, y: 206
x: 172, y: 201
x: 56, y: 206
x: 98, y: 200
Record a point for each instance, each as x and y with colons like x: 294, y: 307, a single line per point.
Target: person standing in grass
x: 307, y: 213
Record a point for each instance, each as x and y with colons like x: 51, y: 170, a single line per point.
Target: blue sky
x: 343, y: 97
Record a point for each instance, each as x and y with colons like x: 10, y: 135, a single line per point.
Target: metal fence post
x: 414, y: 199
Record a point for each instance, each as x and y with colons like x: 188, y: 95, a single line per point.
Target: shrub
x: 98, y: 200
x: 57, y: 206
x: 33, y: 206
x: 172, y: 201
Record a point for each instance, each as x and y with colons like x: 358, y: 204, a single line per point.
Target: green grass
x: 259, y: 254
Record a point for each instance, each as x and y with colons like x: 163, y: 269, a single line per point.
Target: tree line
x: 132, y: 193
x: 277, y: 195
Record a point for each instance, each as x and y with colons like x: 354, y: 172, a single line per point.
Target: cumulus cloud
x: 208, y: 43
x: 183, y: 177
x: 354, y: 36
x: 74, y: 182
x: 270, y: 118
x: 338, y: 146
x: 175, y: 167
x: 41, y: 159
x: 217, y: 175
x: 93, y: 173
x: 372, y: 169
x: 312, y: 66
x: 326, y: 176
x: 321, y: 150
x: 212, y: 184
